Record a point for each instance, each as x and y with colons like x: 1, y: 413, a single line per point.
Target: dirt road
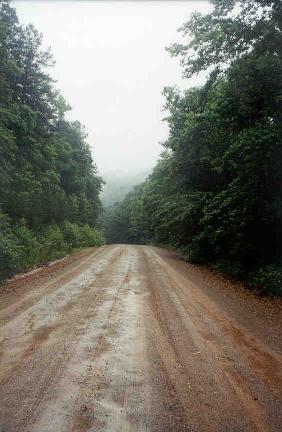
x: 131, y: 338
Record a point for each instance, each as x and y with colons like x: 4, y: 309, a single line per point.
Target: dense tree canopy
x: 47, y: 175
x: 216, y: 192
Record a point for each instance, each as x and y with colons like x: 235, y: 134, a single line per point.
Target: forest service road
x: 131, y: 338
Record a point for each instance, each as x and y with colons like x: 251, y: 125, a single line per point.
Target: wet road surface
x: 127, y: 338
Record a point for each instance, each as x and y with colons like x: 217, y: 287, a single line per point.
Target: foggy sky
x: 111, y: 66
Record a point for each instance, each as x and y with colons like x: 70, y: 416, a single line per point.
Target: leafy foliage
x: 47, y: 175
x: 216, y: 192
x: 21, y: 248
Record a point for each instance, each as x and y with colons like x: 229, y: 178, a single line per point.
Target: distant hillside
x: 119, y: 184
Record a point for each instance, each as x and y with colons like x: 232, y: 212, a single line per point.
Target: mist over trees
x: 49, y: 186
x: 119, y: 184
x: 216, y: 191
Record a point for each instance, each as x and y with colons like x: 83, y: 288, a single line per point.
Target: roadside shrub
x: 230, y: 268
x: 268, y: 280
x: 53, y: 244
x: 71, y: 233
x: 191, y: 253
x: 82, y: 235
x: 90, y: 236
x: 29, y: 245
x: 10, y: 249
x: 22, y: 248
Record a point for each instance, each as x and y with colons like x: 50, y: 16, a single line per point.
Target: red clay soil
x: 131, y: 338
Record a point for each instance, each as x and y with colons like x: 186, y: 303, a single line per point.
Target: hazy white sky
x: 111, y: 66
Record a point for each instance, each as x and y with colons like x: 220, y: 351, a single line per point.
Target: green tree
x: 216, y: 192
x: 47, y: 175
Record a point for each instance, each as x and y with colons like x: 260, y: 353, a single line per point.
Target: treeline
x: 216, y: 191
x: 118, y: 185
x: 49, y: 187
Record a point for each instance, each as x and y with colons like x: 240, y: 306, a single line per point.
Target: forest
x: 215, y: 193
x: 49, y: 186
